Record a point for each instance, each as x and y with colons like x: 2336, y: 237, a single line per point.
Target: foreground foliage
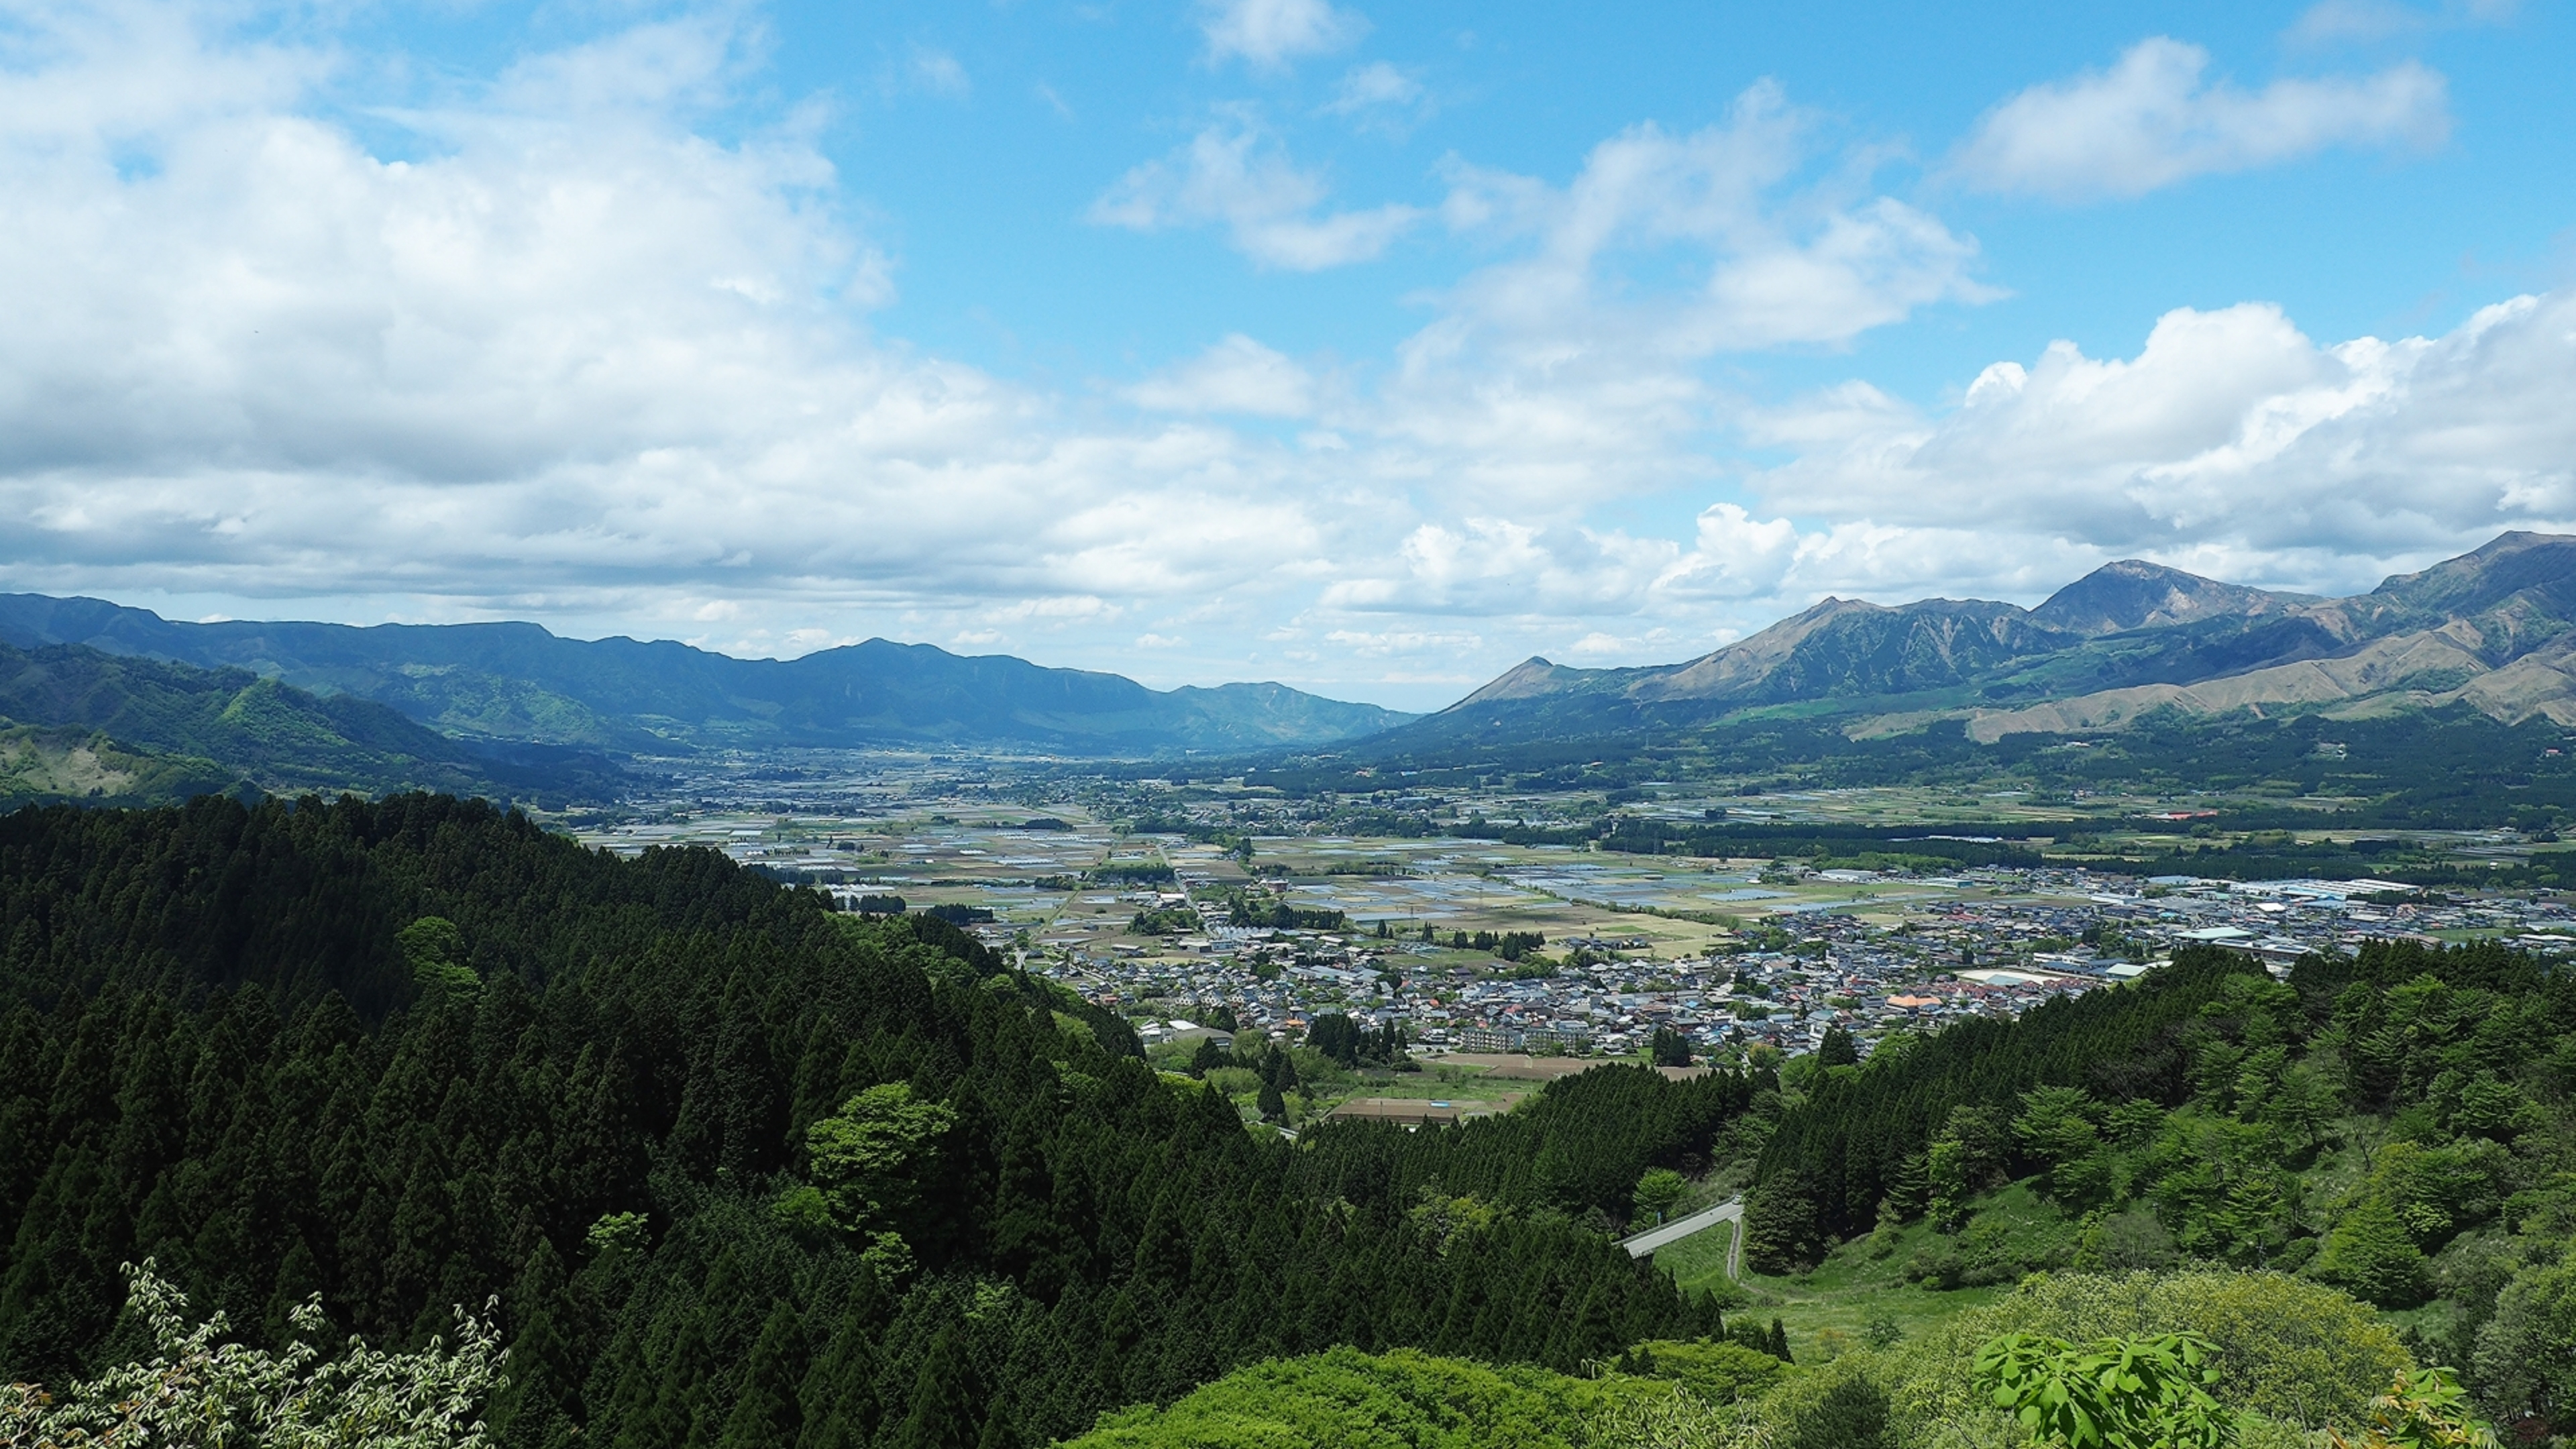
x: 199, y: 1389
x: 2118, y: 1393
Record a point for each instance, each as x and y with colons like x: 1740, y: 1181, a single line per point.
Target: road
x: 1680, y: 1228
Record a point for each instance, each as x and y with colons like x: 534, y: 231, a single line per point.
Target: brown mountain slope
x: 2495, y: 628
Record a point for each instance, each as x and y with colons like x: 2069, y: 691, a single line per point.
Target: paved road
x: 1680, y: 1228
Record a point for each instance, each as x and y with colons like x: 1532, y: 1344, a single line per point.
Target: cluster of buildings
x: 1992, y: 942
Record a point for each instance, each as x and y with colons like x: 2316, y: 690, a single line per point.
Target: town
x: 1477, y: 951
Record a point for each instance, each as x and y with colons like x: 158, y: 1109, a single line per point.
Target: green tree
x: 1668, y: 1048
x: 1837, y: 1049
x: 435, y: 950
x: 2426, y: 1409
x: 1207, y: 1058
x: 767, y: 1413
x: 2301, y: 1105
x: 2525, y: 1356
x: 867, y: 1166
x: 1657, y: 1191
x: 1781, y: 1234
x: 2370, y: 1252
x: 948, y: 1405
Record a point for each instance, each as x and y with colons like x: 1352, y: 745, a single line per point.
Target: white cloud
x: 2232, y: 432
x: 1381, y: 97
x: 576, y: 359
x: 1377, y: 644
x: 936, y: 71
x: 1270, y: 33
x: 1734, y: 556
x: 1238, y: 375
x: 1375, y: 84
x: 1236, y: 176
x: 1780, y: 263
x: 2151, y: 121
x: 1572, y: 368
x: 2330, y: 22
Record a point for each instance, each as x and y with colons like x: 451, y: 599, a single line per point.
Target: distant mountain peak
x: 1531, y: 677
x: 2509, y: 564
x: 2136, y: 594
x: 2494, y: 629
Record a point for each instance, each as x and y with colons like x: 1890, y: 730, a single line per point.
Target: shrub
x: 1717, y: 1371
x: 2294, y: 1351
x: 1841, y: 1405
x: 1397, y: 1400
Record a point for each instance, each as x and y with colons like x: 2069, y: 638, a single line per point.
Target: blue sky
x: 1369, y: 348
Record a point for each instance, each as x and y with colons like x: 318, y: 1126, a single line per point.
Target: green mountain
x: 97, y: 728
x: 516, y: 681
x: 740, y: 1170
x: 2489, y: 630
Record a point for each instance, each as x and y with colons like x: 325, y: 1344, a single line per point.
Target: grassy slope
x: 68, y: 766
x: 1866, y: 1279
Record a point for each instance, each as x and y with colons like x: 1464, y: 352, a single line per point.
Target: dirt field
x: 1547, y: 1069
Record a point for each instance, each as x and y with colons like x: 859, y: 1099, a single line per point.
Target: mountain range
x: 2494, y: 630
x: 519, y: 683
x: 104, y: 702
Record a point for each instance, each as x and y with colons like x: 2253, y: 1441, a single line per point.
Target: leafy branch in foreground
x: 2118, y: 1393
x: 200, y: 1390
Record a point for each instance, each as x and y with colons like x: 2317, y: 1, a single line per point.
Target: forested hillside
x: 113, y: 730
x: 2399, y: 1125
x: 517, y: 682
x: 740, y: 1171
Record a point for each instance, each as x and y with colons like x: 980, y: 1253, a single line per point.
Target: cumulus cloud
x: 1236, y: 176
x: 1238, y: 375
x: 2151, y: 121
x: 1571, y: 368
x: 1271, y: 33
x: 2230, y: 430
x: 577, y: 357
x: 1737, y: 572
x: 1780, y: 262
x: 2230, y: 444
